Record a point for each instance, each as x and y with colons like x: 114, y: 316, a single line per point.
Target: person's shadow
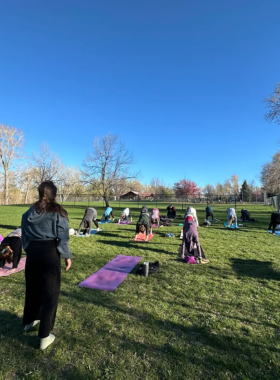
x: 255, y: 268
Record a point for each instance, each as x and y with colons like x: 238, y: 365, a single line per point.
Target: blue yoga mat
x: 277, y: 233
x: 93, y: 232
x: 232, y: 226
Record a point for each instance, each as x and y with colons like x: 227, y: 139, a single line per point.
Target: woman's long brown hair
x: 46, y: 203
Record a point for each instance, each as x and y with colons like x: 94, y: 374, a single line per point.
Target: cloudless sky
x: 181, y: 82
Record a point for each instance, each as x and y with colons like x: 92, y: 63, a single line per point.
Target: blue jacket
x: 46, y: 226
x: 107, y: 211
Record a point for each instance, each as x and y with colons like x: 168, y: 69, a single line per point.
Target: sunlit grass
x: 216, y: 321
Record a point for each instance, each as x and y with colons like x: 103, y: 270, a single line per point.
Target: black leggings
x: 14, y: 243
x: 275, y: 219
x: 42, y: 276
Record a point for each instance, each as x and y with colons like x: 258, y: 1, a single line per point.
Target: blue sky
x: 181, y: 82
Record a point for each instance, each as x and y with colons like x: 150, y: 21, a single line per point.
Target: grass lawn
x: 215, y: 321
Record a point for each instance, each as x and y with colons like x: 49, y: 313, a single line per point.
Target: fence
x: 273, y: 201
x: 161, y: 199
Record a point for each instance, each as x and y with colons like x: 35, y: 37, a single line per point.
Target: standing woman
x: 45, y: 237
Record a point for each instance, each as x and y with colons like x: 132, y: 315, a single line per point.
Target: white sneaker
x: 45, y: 342
x: 31, y: 325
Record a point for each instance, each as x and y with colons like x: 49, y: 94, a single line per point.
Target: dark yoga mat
x: 112, y: 274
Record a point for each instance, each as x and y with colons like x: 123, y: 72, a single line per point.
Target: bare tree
x: 11, y: 148
x: 108, y: 165
x: 46, y: 165
x: 270, y: 174
x: 209, y: 190
x: 273, y: 105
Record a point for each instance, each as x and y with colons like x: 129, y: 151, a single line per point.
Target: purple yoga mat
x: 112, y: 274
x: 7, y: 268
x: 124, y: 222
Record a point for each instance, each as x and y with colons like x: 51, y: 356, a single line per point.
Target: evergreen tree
x: 246, y: 192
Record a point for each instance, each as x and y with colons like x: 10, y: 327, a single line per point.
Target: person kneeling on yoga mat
x: 155, y: 217
x: 171, y: 212
x: 209, y: 212
x: 190, y: 245
x: 106, y: 216
x: 143, y: 225
x: 125, y: 215
x: 89, y: 217
x: 231, y: 216
x: 11, y: 249
x: 275, y: 219
x: 245, y: 215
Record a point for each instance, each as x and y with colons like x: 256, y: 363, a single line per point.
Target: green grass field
x: 215, y: 321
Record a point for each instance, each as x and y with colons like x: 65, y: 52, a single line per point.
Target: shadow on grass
x: 221, y: 354
x: 255, y: 269
x: 8, y: 226
x: 143, y: 245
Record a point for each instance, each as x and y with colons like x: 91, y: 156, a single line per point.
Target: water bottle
x: 146, y: 268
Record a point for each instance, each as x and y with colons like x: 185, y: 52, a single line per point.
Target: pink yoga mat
x: 7, y: 267
x: 142, y: 237
x: 112, y: 274
x: 124, y: 222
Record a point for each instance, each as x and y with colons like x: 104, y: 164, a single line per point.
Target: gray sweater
x: 46, y: 226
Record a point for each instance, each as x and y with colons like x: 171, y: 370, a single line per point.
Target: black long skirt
x: 43, y: 277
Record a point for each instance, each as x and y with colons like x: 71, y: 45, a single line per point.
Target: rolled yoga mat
x: 112, y: 274
x: 6, y: 271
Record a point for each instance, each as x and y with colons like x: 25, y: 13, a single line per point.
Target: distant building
x: 135, y: 195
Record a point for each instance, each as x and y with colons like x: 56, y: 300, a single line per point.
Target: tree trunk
x: 106, y: 200
x: 6, y: 188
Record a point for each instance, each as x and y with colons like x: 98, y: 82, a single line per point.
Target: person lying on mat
x: 192, y: 212
x: 274, y: 220
x: 11, y: 249
x: 209, y: 212
x: 231, y: 216
x: 155, y: 217
x: 125, y: 215
x: 245, y: 215
x: 190, y: 245
x: 171, y: 211
x: 106, y: 216
x: 89, y: 217
x: 144, y: 224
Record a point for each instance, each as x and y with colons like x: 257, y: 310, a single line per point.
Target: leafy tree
x: 185, y: 188
x: 273, y: 105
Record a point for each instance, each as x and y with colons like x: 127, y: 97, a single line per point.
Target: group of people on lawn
x: 44, y: 235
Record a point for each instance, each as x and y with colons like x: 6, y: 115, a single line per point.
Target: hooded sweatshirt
x: 46, y: 226
x: 192, y: 212
x: 190, y: 238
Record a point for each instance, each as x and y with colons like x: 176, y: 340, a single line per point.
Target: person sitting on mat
x: 191, y: 211
x: 125, y: 215
x: 171, y: 211
x: 144, y: 224
x: 231, y: 216
x: 245, y: 215
x: 155, y: 217
x: 190, y: 245
x: 106, y: 216
x: 209, y: 212
x: 89, y: 217
x: 13, y: 241
x: 274, y: 220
